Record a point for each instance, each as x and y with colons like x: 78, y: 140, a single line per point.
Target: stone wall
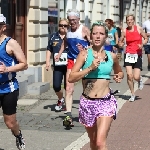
x: 91, y: 10
x: 133, y: 7
x: 37, y: 34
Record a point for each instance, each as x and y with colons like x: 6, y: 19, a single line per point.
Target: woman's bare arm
x: 116, y: 37
x: 16, y: 50
x: 116, y: 67
x: 76, y: 74
x: 143, y: 35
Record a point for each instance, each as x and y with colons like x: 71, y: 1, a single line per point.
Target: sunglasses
x: 63, y: 25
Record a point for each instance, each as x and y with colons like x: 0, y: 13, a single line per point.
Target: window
x: 52, y: 16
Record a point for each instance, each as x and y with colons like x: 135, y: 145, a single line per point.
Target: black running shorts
x: 137, y: 64
x: 8, y: 102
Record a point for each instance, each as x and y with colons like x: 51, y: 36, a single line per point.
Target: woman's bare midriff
x: 96, y: 88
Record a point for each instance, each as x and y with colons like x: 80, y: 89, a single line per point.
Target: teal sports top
x: 104, y: 69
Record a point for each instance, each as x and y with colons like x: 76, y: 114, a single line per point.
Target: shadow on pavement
x: 146, y: 76
x: 52, y: 107
x: 147, y: 84
x: 1, y: 149
x: 127, y: 97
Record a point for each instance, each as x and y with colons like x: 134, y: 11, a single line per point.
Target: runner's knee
x: 10, y: 124
x: 130, y: 76
x: 56, y: 88
x: 69, y: 89
x: 137, y: 77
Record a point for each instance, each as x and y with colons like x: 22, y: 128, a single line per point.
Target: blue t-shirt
x: 111, y: 36
x: 111, y: 39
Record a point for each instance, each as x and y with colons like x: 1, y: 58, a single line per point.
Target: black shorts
x: 137, y: 64
x: 9, y: 102
x: 147, y: 49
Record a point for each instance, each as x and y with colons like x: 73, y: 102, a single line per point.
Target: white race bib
x: 111, y: 37
x: 131, y: 58
x: 62, y: 60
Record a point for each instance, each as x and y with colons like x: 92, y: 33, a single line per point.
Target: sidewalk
x: 131, y: 129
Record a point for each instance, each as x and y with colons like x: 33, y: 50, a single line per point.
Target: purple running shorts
x: 91, y: 110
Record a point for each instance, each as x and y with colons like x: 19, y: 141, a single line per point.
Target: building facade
x: 140, y: 8
x: 27, y: 22
x: 95, y: 10
x: 30, y: 21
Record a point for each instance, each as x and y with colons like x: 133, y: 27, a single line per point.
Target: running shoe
x: 132, y: 98
x: 67, y: 122
x: 140, y: 83
x: 59, y: 104
x: 20, y: 142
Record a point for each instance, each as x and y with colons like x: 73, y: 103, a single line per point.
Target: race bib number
x: 131, y: 58
x: 111, y: 37
x: 62, y: 60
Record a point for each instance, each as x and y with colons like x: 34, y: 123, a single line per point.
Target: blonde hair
x: 129, y: 16
x: 64, y: 19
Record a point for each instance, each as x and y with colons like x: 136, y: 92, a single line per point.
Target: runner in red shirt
x: 133, y: 53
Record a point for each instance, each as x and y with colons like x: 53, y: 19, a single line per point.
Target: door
x: 7, y: 8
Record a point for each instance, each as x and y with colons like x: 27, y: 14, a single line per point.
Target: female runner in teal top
x: 98, y: 105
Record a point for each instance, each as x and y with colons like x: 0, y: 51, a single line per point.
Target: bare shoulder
x: 12, y: 45
x: 86, y: 33
x: 12, y: 42
x: 83, y: 53
x: 85, y: 29
x: 124, y: 30
x: 138, y: 27
x: 82, y: 57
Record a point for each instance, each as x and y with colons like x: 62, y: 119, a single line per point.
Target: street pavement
x: 42, y: 126
x: 131, y: 129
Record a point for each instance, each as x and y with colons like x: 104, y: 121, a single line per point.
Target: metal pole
x: 65, y: 4
x: 58, y: 5
x: 140, y: 12
x: 107, y: 8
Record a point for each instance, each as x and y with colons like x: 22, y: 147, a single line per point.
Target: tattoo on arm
x: 88, y: 87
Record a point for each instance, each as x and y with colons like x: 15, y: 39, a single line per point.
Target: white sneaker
x: 59, y: 104
x: 140, y: 83
x: 20, y: 142
x: 132, y: 98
